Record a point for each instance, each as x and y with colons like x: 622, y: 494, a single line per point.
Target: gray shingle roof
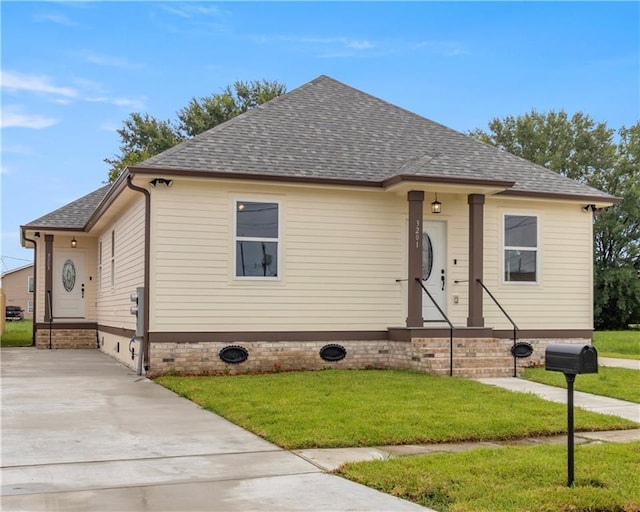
x: 73, y: 215
x: 328, y: 130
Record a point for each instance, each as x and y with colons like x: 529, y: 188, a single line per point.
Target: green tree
x: 581, y: 149
x: 143, y: 136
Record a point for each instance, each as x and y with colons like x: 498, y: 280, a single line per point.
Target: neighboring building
x: 19, y: 285
x: 312, y: 222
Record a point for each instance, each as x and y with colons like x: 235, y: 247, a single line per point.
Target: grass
x: 514, y: 479
x: 334, y: 408
x: 623, y: 344
x: 618, y: 383
x: 17, y: 334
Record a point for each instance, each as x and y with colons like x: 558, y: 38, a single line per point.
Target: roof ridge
x: 227, y: 124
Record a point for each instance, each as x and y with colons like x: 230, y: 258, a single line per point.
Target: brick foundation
x: 472, y: 357
x: 66, y: 338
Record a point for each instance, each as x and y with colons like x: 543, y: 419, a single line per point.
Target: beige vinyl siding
x: 340, y: 255
x: 113, y: 302
x: 562, y: 297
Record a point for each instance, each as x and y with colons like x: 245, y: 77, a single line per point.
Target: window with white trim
x: 520, y: 248
x: 29, y: 306
x: 257, y: 239
x: 113, y: 259
x: 30, y: 284
x: 100, y: 266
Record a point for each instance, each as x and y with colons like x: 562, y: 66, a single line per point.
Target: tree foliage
x: 581, y: 149
x: 143, y: 136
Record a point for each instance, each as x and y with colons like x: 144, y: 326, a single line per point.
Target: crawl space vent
x: 333, y: 352
x: 234, y: 354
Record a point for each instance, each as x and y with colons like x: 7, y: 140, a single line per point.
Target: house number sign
x: 418, y: 233
x: 68, y: 275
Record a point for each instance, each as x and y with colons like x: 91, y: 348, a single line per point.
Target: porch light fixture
x: 436, y: 206
x: 74, y: 243
x: 163, y: 181
x: 36, y: 234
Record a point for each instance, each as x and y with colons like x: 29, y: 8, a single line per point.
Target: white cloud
x: 447, y: 48
x: 18, y: 120
x: 33, y: 83
x: 108, y: 60
x: 109, y: 126
x: 189, y: 11
x: 136, y: 104
x: 360, y: 45
x: 59, y: 19
x: 17, y: 150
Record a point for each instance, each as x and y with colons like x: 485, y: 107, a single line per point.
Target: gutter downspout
x: 35, y: 287
x: 143, y: 360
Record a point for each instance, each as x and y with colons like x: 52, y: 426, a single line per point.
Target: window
x: 30, y: 284
x: 29, y: 306
x: 257, y: 239
x: 100, y: 266
x: 113, y: 259
x: 520, y: 248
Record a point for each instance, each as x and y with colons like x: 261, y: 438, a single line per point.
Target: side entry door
x: 69, y: 281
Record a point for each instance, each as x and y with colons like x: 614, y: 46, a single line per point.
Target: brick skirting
x: 66, y: 338
x: 472, y: 357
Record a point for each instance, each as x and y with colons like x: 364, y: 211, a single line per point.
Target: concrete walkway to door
x: 82, y: 432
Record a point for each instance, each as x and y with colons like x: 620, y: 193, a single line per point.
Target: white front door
x: 434, y: 259
x: 69, y: 285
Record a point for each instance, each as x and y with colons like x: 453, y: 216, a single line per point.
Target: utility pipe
x: 35, y: 287
x: 143, y: 357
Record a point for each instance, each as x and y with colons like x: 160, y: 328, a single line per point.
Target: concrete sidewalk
x: 82, y: 432
x: 595, y: 403
x: 631, y: 364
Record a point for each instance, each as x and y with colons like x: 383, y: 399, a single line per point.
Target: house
x: 18, y: 286
x: 325, y: 228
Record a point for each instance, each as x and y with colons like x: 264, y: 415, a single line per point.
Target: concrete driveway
x: 82, y: 432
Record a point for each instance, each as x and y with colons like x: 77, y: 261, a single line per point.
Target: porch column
x: 48, y: 275
x: 414, y: 252
x: 476, y: 253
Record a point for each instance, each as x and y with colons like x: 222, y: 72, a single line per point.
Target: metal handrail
x: 446, y: 318
x: 50, y: 316
x: 515, y: 327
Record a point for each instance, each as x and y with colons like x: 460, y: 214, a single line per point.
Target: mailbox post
x: 571, y: 360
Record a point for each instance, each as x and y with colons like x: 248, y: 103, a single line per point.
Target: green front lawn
x: 17, y: 334
x: 335, y: 408
x: 523, y: 479
x: 623, y: 344
x: 618, y: 383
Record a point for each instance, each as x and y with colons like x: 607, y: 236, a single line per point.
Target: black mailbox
x: 573, y: 359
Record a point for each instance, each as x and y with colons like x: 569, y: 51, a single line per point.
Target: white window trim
x: 113, y: 259
x: 236, y: 239
x: 100, y: 265
x: 30, y: 284
x: 504, y: 248
x: 30, y: 306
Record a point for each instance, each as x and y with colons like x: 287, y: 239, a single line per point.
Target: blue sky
x: 73, y: 71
